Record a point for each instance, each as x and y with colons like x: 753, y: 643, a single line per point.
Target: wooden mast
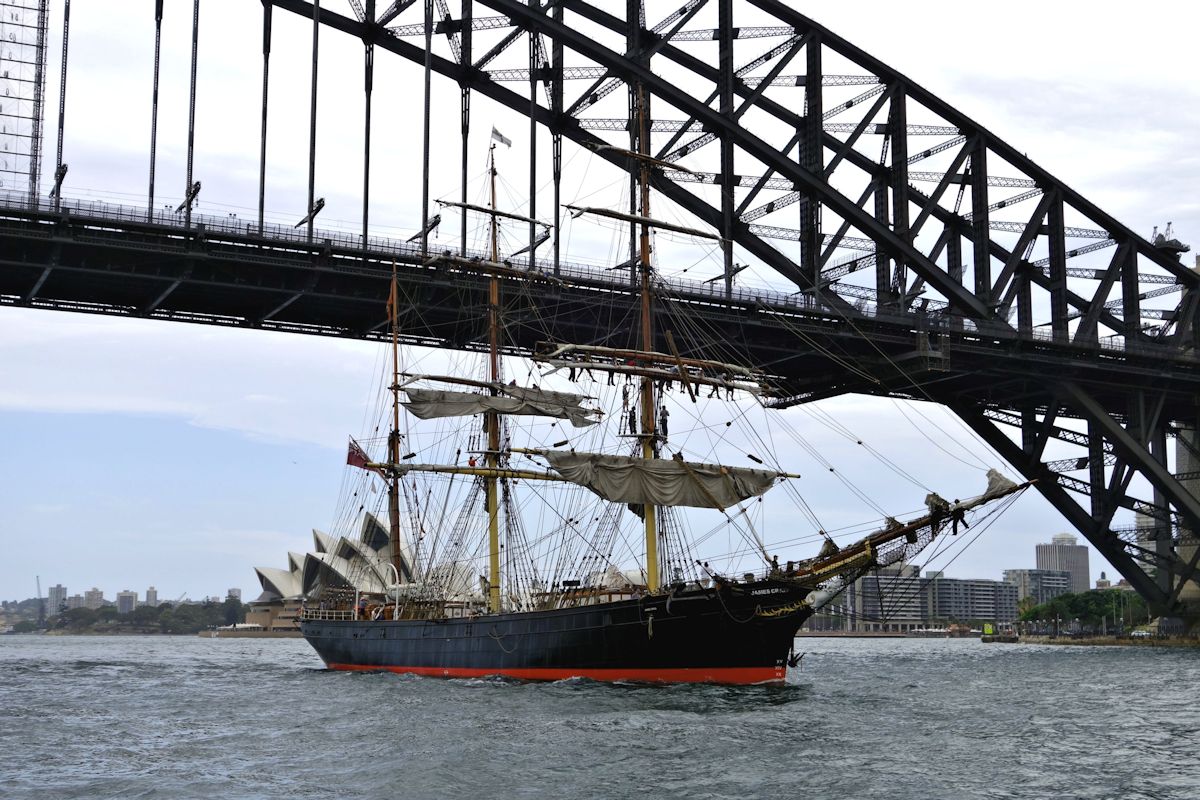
x: 647, y: 387
x: 394, y: 435
x: 491, y: 418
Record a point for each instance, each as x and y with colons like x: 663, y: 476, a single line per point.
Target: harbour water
x: 187, y: 717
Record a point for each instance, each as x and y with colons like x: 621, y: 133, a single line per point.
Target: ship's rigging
x: 554, y: 498
x: 584, y: 539
x: 644, y: 481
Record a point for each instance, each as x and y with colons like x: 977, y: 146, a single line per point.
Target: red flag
x: 357, y: 457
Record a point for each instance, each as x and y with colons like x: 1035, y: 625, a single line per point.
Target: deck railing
x: 326, y: 614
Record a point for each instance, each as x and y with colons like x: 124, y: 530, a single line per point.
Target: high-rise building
x: 56, y: 598
x: 1041, y: 585
x: 75, y: 601
x: 1065, y: 555
x: 971, y: 599
x: 152, y: 597
x: 93, y: 598
x: 235, y: 594
x: 126, y: 601
x: 1148, y: 532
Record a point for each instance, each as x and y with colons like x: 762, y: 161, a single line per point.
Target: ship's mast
x: 491, y: 418
x: 394, y: 435
x: 647, y: 386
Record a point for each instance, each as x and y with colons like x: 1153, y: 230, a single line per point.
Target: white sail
x: 997, y: 484
x: 432, y: 403
x: 661, y: 482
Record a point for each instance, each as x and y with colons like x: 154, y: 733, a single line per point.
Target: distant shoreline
x: 96, y: 633
x: 157, y: 634
x: 1085, y: 641
x: 1109, y: 641
x: 860, y: 635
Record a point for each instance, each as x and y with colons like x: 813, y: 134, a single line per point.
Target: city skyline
x: 926, y: 574
x: 62, y: 593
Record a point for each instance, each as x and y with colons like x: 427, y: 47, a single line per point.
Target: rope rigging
x: 581, y: 540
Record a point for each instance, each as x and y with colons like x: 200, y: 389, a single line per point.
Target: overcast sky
x: 140, y: 453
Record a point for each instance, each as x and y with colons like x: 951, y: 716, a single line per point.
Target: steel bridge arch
x: 985, y: 271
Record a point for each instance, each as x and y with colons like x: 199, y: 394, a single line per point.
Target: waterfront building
x: 833, y: 616
x: 126, y: 602
x: 278, y: 607
x: 56, y: 598
x: 93, y: 598
x: 1041, y: 585
x: 152, y: 597
x: 893, y: 599
x: 1063, y: 553
x: 898, y: 599
x: 971, y: 600
x: 75, y: 601
x: 340, y: 561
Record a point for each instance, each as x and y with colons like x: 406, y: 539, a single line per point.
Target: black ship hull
x: 738, y: 634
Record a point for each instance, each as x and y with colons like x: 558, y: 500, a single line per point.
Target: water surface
x: 186, y: 717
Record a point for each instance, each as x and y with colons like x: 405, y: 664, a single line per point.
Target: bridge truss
x: 907, y: 239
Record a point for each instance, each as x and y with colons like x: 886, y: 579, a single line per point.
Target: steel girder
x: 1093, y: 527
x: 1115, y: 453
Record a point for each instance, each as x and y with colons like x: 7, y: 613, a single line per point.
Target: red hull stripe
x: 727, y: 675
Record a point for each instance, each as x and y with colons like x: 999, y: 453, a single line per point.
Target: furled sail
x: 997, y: 484
x: 660, y: 482
x: 431, y: 403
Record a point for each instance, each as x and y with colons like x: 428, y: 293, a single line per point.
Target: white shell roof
x: 352, y: 562
x: 279, y: 582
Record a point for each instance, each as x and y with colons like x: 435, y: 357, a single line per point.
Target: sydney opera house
x: 363, y: 563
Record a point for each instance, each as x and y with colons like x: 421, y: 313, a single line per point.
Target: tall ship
x: 548, y: 517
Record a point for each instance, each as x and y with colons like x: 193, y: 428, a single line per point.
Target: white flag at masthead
x: 501, y: 138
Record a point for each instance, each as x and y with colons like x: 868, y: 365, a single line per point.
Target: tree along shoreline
x: 183, y: 619
x: 1093, y: 611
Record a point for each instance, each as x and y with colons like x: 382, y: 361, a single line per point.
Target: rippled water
x: 185, y: 717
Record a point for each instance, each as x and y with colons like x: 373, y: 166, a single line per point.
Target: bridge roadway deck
x: 106, y: 259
